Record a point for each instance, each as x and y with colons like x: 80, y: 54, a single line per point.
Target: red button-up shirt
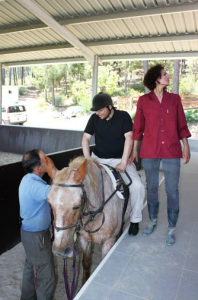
x: 160, y: 126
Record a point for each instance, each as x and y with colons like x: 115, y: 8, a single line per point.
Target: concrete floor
x: 140, y: 267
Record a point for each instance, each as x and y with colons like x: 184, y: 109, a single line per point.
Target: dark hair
x: 151, y: 76
x: 30, y: 160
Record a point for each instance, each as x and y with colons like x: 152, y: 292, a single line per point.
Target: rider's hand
x: 121, y: 167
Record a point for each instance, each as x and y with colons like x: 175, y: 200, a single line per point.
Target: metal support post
x: 95, y: 76
x: 0, y: 92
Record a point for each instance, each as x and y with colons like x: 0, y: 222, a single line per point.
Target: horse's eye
x: 76, y: 207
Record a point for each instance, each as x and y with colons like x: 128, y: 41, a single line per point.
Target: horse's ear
x: 50, y: 167
x: 80, y: 172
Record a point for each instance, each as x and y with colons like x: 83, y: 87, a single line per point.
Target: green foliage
x: 40, y: 104
x: 22, y: 90
x: 86, y: 104
x: 107, y: 79
x: 191, y: 115
x: 59, y: 101
x: 133, y: 116
x: 81, y: 90
x: 137, y: 87
x: 187, y: 85
x: 118, y: 92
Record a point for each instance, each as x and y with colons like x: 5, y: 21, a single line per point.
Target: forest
x: 57, y: 83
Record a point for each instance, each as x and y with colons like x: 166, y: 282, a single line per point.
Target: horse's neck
x: 104, y: 189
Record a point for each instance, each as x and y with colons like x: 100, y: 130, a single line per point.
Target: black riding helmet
x: 101, y: 100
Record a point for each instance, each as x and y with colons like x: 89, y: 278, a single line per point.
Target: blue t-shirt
x: 34, y: 209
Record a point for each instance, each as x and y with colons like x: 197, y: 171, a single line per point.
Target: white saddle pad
x: 124, y: 177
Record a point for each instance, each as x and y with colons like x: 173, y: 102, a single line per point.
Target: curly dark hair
x: 151, y: 76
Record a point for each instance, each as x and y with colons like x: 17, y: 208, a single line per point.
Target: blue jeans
x: 171, y: 168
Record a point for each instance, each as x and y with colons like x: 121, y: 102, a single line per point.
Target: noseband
x: 84, y: 198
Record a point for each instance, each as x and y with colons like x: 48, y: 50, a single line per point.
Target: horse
x: 84, y: 200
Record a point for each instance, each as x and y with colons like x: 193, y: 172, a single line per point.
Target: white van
x: 14, y: 114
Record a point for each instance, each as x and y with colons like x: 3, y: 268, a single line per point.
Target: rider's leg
x: 136, y: 189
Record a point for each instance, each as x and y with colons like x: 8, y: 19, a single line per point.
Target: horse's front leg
x: 107, y: 245
x: 86, y: 248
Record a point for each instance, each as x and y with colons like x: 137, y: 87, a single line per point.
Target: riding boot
x: 172, y: 220
x: 153, y: 212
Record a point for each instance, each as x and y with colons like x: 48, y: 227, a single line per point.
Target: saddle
x: 121, y: 181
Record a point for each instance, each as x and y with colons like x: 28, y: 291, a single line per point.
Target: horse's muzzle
x: 63, y: 252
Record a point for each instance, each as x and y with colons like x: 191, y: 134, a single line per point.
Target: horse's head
x: 65, y: 198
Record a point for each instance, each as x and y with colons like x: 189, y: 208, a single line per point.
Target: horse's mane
x: 92, y: 167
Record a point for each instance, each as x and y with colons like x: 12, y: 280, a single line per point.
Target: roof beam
x: 46, y: 18
x: 155, y: 39
x: 142, y: 56
x: 169, y: 9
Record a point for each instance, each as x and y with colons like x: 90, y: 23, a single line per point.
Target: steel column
x: 95, y: 76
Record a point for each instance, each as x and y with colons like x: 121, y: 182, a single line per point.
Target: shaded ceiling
x: 110, y: 29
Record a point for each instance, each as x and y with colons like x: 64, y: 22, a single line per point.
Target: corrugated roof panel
x: 53, y: 36
x: 186, y: 46
x: 168, y: 47
x: 45, y: 36
x: 142, y: 3
x: 106, y: 28
x: 177, y: 46
x: 115, y: 29
x: 138, y: 48
x: 63, y: 9
x: 9, y: 15
x: 23, y: 14
x: 12, y: 13
x: 133, y: 27
x: 194, y: 45
x: 152, y: 28
x: 180, y: 23
x: 124, y: 28
x: 83, y: 31
x: 190, y: 21
x: 98, y: 28
x: 49, y: 8
x: 96, y: 50
x: 76, y: 32
x: 169, y: 23
x: 128, y: 4
x: 130, y: 48
x: 147, y: 48
x: 141, y: 27
x: 90, y: 31
x: 104, y: 49
x: 160, y: 25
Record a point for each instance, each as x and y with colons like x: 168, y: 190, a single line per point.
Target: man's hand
x: 50, y: 167
x: 121, y: 167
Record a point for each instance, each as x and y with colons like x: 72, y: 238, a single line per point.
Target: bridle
x: 91, y: 213
x: 84, y: 198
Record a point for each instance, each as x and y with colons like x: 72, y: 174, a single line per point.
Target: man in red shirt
x: 160, y: 123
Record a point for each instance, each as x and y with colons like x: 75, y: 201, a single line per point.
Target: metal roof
x: 75, y: 30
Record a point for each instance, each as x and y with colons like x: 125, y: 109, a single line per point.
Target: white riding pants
x: 136, y: 189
